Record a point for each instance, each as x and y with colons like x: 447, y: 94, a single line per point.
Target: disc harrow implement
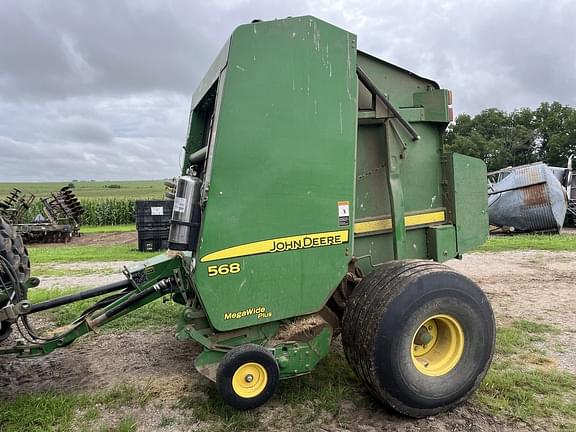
x: 58, y: 219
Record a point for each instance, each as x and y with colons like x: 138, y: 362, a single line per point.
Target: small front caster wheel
x: 247, y: 376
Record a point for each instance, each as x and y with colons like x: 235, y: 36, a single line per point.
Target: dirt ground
x: 97, y: 273
x: 97, y: 239
x: 532, y: 285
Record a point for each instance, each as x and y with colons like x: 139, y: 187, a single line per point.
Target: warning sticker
x: 157, y: 211
x: 343, y: 213
x: 179, y: 204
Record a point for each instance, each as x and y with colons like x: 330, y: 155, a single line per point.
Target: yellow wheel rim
x: 249, y: 380
x: 437, y: 345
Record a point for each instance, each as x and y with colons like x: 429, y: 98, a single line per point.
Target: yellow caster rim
x: 437, y: 345
x: 249, y: 380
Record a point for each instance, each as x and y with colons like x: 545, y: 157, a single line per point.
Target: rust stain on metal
x: 535, y: 196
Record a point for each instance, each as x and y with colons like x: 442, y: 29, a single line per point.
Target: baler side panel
x: 283, y: 159
x: 397, y: 84
x: 467, y: 191
x: 420, y: 171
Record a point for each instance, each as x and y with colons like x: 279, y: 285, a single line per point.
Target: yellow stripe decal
x: 281, y: 244
x: 410, y: 220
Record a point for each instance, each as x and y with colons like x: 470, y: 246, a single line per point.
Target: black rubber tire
x: 383, y: 314
x: 13, y: 250
x: 234, y: 359
x: 5, y: 330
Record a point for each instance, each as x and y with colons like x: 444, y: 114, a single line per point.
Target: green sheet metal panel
x: 420, y: 169
x: 282, y: 162
x: 375, y: 249
x: 469, y: 195
x: 422, y: 161
x: 371, y: 194
x: 398, y: 84
x: 442, y: 242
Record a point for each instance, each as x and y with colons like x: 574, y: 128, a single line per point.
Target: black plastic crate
x: 153, y: 214
x: 151, y: 240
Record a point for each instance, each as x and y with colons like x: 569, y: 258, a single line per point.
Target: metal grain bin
x: 527, y: 198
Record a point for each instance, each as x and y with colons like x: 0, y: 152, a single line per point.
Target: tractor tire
x: 12, y: 249
x: 420, y: 335
x: 247, y: 376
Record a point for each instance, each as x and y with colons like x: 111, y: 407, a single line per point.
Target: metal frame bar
x: 375, y: 91
x: 64, y: 300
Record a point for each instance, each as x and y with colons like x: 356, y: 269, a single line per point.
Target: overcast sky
x: 100, y: 89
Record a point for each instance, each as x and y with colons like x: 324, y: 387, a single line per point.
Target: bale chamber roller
x: 316, y: 199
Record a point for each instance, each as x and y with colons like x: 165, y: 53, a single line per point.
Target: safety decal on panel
x: 343, y: 213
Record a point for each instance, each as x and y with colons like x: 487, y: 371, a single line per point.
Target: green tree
x: 556, y: 128
x: 510, y: 139
x: 490, y: 136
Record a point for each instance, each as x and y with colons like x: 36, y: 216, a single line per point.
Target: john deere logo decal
x: 281, y: 244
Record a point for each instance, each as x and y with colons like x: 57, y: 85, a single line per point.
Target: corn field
x: 112, y: 211
x: 109, y: 211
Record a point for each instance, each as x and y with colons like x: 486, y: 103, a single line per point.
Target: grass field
x: 523, y: 382
x: 104, y: 229
x: 136, y: 189
x: 70, y: 254
x: 58, y: 411
x: 550, y: 242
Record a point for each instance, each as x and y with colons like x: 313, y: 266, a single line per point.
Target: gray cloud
x: 101, y: 89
